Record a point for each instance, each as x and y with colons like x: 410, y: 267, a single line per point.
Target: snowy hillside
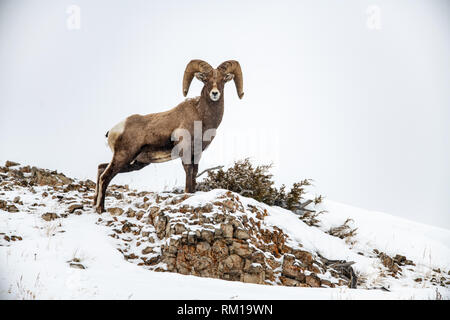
x: 176, y: 246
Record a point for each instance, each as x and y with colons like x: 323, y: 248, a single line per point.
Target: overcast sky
x: 353, y: 94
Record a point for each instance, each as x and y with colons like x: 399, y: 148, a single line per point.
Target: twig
x: 210, y: 169
x: 302, y: 205
x: 379, y: 288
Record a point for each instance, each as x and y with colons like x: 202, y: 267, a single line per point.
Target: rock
x: 232, y: 264
x: 49, y: 216
x: 327, y: 283
x: 400, y: 259
x: 303, y: 256
x: 290, y: 269
x: 409, y: 263
x: 257, y: 278
x: 179, y: 228
x: 127, y: 227
x: 229, y: 204
x: 174, y: 244
x: 140, y: 214
x: 147, y: 250
x: 227, y: 230
x: 389, y: 263
x: 241, y: 249
x: 89, y: 183
x: 207, y: 235
x: 220, y: 249
x: 218, y: 217
x: 289, y: 282
x: 74, y: 207
x: 252, y: 267
x: 194, y: 264
x: 184, y: 260
x: 258, y: 257
x: 77, y: 265
x: 241, y: 234
x: 218, y: 234
x: 12, y: 208
x: 131, y: 256
x: 131, y: 213
x: 153, y: 210
x: 203, y: 247
x: 207, y: 208
x: 201, y: 264
x: 16, y: 199
x: 312, y: 280
x: 11, y: 164
x: 192, y: 238
x: 115, y: 211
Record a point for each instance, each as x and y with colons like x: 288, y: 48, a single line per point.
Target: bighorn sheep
x: 143, y: 139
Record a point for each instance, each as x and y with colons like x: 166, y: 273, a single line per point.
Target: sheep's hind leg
x: 134, y: 166
x: 114, y: 167
x: 101, y: 169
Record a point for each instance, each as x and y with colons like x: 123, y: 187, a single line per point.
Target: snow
x: 37, y: 267
x: 421, y: 243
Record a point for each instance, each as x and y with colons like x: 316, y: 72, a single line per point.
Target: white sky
x: 363, y: 112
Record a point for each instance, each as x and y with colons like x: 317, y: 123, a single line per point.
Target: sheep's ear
x: 200, y: 76
x: 228, y: 77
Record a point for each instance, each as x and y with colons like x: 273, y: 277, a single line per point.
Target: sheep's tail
x: 106, y: 139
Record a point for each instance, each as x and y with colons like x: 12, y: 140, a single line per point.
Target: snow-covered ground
x: 37, y: 267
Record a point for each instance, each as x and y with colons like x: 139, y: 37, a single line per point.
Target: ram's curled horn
x: 193, y: 67
x: 232, y: 66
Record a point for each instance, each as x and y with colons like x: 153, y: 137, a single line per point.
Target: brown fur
x: 146, y: 139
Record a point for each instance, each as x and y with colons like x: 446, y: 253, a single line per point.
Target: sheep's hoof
x: 99, y: 209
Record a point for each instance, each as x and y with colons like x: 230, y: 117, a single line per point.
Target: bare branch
x: 210, y: 169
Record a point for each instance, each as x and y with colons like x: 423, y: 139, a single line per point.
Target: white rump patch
x: 114, y: 133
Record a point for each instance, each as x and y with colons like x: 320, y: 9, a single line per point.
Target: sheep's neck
x: 211, y: 112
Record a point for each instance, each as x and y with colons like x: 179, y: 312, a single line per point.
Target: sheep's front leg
x: 191, y: 175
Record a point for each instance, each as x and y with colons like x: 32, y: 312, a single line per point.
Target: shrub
x: 256, y: 182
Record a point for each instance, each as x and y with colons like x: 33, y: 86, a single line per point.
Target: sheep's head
x: 213, y: 79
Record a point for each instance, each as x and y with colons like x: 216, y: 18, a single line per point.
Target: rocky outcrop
x: 220, y: 239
